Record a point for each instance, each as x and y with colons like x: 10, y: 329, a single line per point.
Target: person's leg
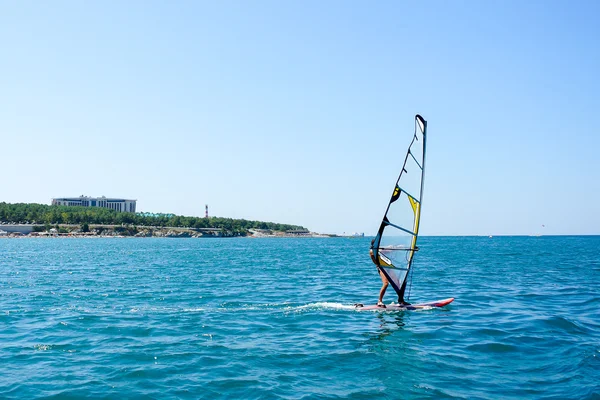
x: 384, y: 286
x: 382, y: 291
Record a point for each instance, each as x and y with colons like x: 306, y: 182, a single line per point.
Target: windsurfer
x: 384, y: 281
x: 384, y: 285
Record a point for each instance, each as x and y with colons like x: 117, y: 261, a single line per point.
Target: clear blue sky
x: 301, y: 112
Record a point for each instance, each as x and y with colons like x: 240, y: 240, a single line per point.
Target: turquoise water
x: 273, y: 318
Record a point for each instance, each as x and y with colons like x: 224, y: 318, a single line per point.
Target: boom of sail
x: 395, y: 245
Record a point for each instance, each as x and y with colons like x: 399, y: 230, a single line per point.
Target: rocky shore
x: 102, y: 231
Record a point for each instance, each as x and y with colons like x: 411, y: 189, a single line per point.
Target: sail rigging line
x: 400, y: 224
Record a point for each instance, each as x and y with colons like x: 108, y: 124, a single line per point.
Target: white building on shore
x: 121, y: 205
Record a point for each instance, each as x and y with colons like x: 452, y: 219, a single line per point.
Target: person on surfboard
x: 384, y: 280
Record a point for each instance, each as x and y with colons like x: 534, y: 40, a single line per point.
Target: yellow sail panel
x: 413, y: 204
x: 417, y: 219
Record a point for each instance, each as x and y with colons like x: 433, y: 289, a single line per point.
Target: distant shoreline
x: 123, y: 231
x: 80, y: 236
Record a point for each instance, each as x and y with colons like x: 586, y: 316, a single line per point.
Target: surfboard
x: 410, y: 307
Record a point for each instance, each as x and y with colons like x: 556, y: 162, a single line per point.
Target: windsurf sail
x: 395, y: 245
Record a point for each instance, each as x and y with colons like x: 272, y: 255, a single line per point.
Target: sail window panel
x: 410, y: 181
x: 395, y: 244
x: 397, y: 236
x: 416, y: 148
x: 393, y: 239
x: 397, y: 276
x: 402, y: 214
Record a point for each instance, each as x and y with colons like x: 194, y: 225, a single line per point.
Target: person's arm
x: 372, y: 256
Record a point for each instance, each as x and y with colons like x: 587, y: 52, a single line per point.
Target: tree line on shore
x: 42, y: 214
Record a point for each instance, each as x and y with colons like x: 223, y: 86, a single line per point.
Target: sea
x: 273, y: 318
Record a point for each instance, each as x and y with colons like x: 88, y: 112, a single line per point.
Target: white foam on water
x: 325, y: 305
x: 194, y: 309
